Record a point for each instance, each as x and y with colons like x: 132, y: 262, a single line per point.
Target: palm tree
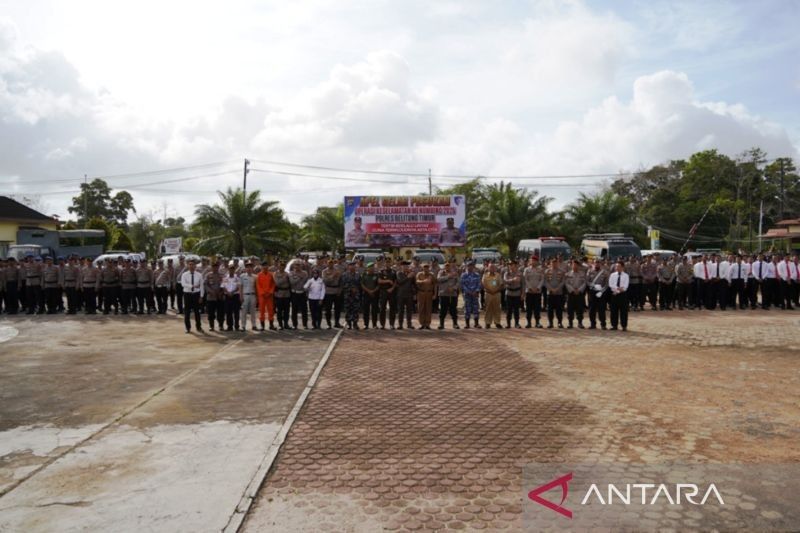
x: 605, y: 212
x: 507, y: 215
x: 240, y: 224
x: 324, y: 229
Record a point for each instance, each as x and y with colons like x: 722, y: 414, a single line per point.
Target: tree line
x: 730, y: 195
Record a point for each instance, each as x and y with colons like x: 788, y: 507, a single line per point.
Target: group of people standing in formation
x: 390, y: 292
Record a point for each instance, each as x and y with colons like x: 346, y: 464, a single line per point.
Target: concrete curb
x: 246, y: 502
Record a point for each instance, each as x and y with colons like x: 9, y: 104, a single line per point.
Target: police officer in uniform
x: 357, y: 236
x: 597, y: 286
x: 214, y: 297
x: 110, y: 283
x: 650, y: 282
x: 554, y: 283
x: 51, y: 277
x: 684, y: 275
x: 12, y: 276
x: 447, y: 284
x: 666, y: 278
x: 247, y: 279
x: 128, y: 281
x: 512, y: 280
x: 72, y: 281
x: 575, y: 285
x: 33, y: 285
x: 533, y: 279
x: 297, y: 280
x: 332, y: 277
x: 283, y: 295
x: 90, y: 283
x: 144, y: 288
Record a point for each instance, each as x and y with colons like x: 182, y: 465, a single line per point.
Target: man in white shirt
x: 618, y: 285
x: 705, y: 272
x: 723, y: 266
x: 316, y: 293
x: 191, y: 283
x: 795, y: 268
x: 737, y: 282
x: 783, y: 282
x: 759, y: 270
x: 231, y: 290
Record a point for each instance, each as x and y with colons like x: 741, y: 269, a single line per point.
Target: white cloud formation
x: 544, y: 94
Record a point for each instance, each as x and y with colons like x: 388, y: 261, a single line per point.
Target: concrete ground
x: 431, y: 430
x: 129, y: 424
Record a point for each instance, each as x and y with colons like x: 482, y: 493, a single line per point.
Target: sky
x: 166, y: 99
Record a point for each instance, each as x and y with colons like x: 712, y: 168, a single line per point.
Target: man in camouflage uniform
x: 369, y: 296
x: 351, y: 287
x: 405, y: 294
x: 387, y: 280
x: 512, y: 280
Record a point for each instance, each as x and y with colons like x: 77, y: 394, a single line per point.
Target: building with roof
x: 15, y: 216
x: 784, y: 236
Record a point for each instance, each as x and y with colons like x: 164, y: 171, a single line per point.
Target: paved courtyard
x: 129, y: 424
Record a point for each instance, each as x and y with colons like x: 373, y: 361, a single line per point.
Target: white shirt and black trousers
x: 192, y: 286
x: 618, y: 285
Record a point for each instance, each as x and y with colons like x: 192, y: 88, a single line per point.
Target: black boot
x: 271, y: 325
x: 262, y: 325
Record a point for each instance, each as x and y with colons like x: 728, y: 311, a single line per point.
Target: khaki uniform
x: 492, y: 285
x: 554, y: 283
x: 426, y: 285
x: 90, y: 284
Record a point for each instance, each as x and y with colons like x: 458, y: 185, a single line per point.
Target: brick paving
x: 430, y: 430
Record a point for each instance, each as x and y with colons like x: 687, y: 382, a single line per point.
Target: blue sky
x: 530, y: 88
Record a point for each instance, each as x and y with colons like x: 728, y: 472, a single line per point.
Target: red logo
x: 563, y: 481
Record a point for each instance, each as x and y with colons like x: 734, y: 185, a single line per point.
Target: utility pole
x: 246, y: 171
x: 85, y: 200
x: 783, y: 189
x: 430, y: 184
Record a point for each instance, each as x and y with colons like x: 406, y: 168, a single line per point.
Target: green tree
x: 99, y: 223
x: 96, y: 201
x: 604, y: 212
x: 508, y: 214
x: 240, y: 224
x: 122, y: 241
x: 324, y: 230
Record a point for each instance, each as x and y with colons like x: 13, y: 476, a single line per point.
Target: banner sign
x: 171, y: 246
x: 393, y: 221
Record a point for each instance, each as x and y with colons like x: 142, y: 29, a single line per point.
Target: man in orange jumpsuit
x: 265, y: 287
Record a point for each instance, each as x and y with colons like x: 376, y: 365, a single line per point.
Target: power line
x: 426, y: 174
x: 119, y: 176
